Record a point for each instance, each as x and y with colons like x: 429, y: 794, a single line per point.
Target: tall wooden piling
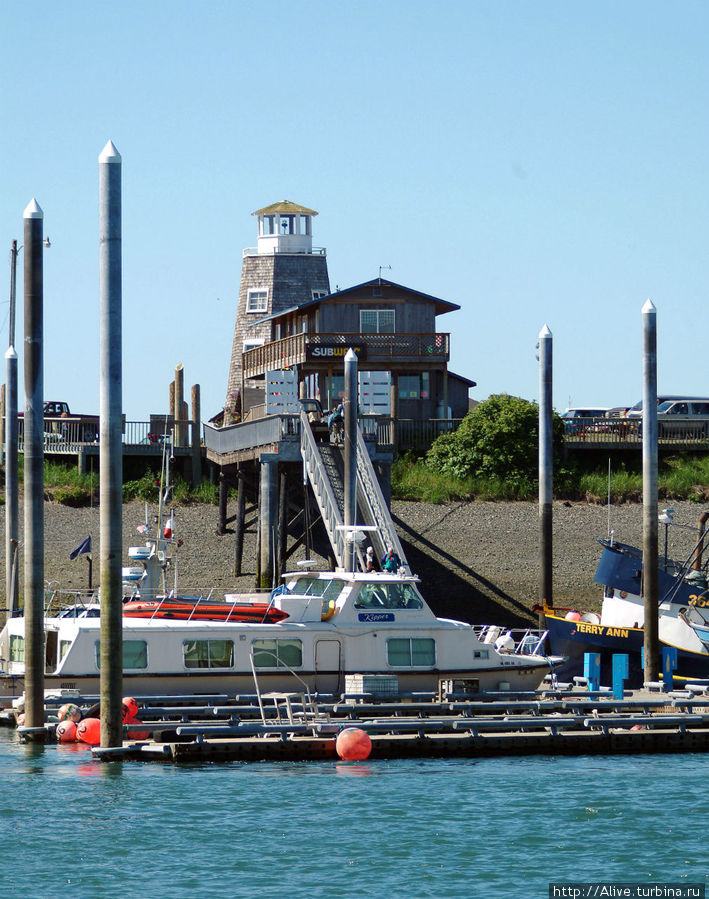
x: 546, y: 469
x: 196, y: 437
x: 34, y: 467
x: 650, y: 523
x: 12, y: 500
x: 111, y: 452
x: 179, y: 403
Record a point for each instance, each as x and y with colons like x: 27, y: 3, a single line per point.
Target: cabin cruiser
x: 333, y: 624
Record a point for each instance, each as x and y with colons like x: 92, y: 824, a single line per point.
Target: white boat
x: 339, y: 624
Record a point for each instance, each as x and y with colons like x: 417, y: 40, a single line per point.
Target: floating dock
x: 296, y: 727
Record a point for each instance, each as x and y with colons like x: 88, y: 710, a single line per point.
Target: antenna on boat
x: 609, y: 496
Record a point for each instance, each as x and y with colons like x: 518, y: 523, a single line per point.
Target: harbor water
x: 432, y: 828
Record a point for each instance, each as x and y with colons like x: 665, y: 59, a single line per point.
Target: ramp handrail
x: 373, y: 502
x: 322, y: 490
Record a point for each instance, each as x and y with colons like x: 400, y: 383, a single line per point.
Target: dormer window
x: 376, y: 321
x: 257, y: 299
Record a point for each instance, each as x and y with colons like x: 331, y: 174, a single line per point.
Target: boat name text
x: 602, y: 630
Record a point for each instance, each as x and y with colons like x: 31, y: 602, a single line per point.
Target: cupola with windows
x: 285, y: 227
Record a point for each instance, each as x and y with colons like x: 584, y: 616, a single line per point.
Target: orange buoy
x: 136, y: 734
x: 21, y: 719
x: 89, y: 731
x: 573, y: 615
x: 353, y: 744
x: 69, y: 712
x: 66, y: 731
x: 130, y: 708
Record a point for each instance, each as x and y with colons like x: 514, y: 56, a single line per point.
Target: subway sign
x: 328, y: 351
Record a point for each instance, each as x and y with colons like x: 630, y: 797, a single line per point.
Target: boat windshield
x: 388, y: 596
x: 329, y: 588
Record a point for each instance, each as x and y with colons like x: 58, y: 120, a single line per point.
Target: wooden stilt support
x: 282, y: 522
x: 240, y: 516
x: 223, y: 492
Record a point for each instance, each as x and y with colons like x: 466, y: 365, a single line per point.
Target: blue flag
x: 82, y: 548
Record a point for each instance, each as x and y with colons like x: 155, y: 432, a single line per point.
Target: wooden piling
x: 34, y: 467
x: 111, y: 449
x: 240, y: 520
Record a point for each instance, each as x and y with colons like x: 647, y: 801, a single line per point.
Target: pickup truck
x: 62, y: 426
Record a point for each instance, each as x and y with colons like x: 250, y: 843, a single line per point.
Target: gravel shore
x: 477, y: 560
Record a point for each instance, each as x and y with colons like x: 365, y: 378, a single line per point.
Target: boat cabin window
x: 411, y: 652
x: 63, y: 648
x: 388, y: 596
x: 17, y: 648
x: 135, y: 654
x: 208, y: 653
x: 313, y: 586
x: 277, y: 653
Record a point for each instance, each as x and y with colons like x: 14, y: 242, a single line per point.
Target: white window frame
x: 263, y: 302
x: 318, y: 294
x: 377, y: 312
x: 253, y: 344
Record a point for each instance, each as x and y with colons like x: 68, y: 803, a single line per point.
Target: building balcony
x: 322, y: 350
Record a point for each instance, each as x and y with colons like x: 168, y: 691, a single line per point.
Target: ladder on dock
x: 324, y: 467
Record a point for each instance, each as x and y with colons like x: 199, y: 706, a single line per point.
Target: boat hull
x: 572, y: 639
x: 522, y: 678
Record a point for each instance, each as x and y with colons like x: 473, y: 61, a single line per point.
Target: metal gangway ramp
x: 324, y: 467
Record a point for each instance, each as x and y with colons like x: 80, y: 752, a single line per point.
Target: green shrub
x: 72, y: 495
x: 498, y: 440
x: 146, y: 488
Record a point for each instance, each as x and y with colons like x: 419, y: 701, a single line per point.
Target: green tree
x: 497, y: 439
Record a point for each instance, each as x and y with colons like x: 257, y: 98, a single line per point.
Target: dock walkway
x: 295, y: 727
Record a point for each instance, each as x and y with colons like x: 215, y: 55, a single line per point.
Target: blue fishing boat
x: 683, y: 615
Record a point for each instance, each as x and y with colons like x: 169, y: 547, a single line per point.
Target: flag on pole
x: 84, y: 547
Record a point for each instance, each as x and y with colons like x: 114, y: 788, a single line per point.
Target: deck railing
x: 73, y: 436
x: 294, y: 350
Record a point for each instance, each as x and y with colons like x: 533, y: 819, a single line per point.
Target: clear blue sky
x: 536, y: 163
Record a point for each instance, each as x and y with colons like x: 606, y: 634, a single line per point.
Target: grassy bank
x: 679, y: 478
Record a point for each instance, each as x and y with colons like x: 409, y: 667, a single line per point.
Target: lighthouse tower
x: 282, y: 272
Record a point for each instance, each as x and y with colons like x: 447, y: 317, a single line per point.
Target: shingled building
x: 287, y: 317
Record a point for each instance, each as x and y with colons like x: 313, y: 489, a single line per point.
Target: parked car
x: 636, y: 411
x: 581, y: 419
x: 685, y: 419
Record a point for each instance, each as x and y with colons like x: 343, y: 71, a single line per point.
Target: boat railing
x: 71, y: 602
x: 518, y: 641
x: 311, y: 705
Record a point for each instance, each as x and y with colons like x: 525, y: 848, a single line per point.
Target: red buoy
x: 130, y: 708
x: 353, y: 744
x: 69, y: 712
x: 66, y: 731
x: 136, y: 734
x: 89, y: 731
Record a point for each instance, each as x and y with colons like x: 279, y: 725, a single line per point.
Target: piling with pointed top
x: 650, y: 524
x: 34, y: 467
x: 546, y: 468
x: 12, y: 502
x: 111, y: 453
x: 351, y: 401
